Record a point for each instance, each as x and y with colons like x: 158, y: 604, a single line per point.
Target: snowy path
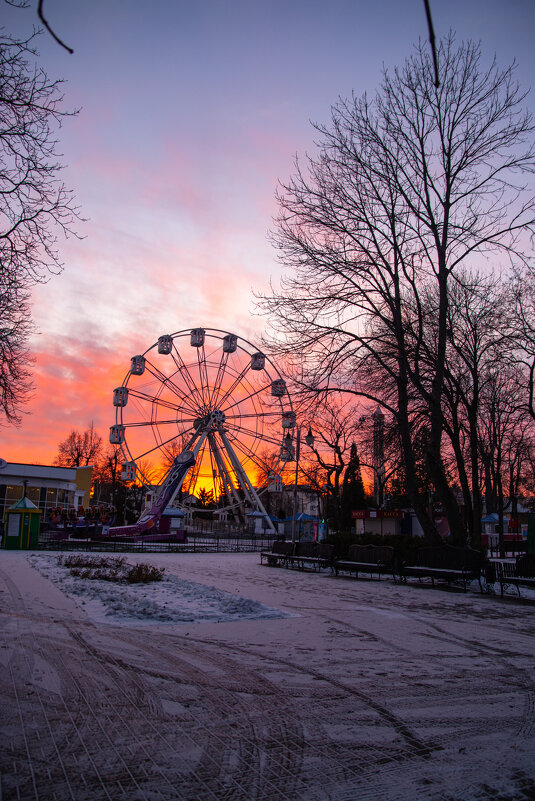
x: 368, y: 691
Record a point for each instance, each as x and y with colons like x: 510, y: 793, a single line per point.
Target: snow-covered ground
x: 232, y: 680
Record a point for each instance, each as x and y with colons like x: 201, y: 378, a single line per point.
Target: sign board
x: 363, y: 514
x: 13, y: 526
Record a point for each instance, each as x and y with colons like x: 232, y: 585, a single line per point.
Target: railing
x: 196, y: 543
x: 510, y: 548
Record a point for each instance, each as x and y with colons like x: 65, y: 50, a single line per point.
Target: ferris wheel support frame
x: 248, y: 488
x: 228, y: 487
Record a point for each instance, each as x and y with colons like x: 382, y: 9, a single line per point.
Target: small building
x: 46, y: 486
x: 22, y: 529
x: 307, y: 527
x: 377, y: 521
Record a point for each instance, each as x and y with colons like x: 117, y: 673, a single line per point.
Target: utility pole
x: 309, y: 439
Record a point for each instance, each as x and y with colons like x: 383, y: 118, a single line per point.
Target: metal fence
x: 511, y: 548
x: 197, y: 543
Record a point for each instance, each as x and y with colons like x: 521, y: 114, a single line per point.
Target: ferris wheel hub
x: 209, y: 422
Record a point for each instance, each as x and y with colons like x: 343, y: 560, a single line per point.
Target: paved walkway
x: 371, y: 691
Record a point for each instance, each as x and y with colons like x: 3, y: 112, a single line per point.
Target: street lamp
x: 309, y: 439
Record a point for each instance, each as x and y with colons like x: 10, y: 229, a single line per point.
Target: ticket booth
x: 23, y: 521
x: 172, y: 523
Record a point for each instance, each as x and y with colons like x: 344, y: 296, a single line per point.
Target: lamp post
x: 309, y: 439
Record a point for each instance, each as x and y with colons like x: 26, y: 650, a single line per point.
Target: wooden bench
x: 301, y: 555
x: 316, y: 555
x: 280, y: 552
x: 520, y: 574
x: 367, y: 559
x: 445, y: 563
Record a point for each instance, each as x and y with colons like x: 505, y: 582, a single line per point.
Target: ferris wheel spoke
x: 214, y: 395
x: 203, y: 374
x: 165, y: 442
x: 236, y: 383
x: 245, y: 433
x: 183, y: 369
x: 169, y: 383
x: 245, y: 398
x: 253, y: 415
x: 155, y: 400
x: 150, y: 423
x: 143, y: 455
x: 240, y: 429
x: 241, y: 446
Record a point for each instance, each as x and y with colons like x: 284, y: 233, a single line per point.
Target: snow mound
x: 172, y: 600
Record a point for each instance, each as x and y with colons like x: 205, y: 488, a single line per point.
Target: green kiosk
x: 22, y: 525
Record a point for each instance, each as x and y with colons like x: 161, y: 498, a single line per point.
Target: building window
x: 13, y: 493
x: 32, y: 493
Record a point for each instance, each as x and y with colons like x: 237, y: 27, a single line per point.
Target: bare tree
x: 41, y: 16
x: 523, y: 285
x: 336, y: 425
x: 500, y: 423
x: 15, y: 328
x: 107, y: 482
x: 406, y: 189
x: 80, y: 448
x: 34, y: 203
x: 480, y: 338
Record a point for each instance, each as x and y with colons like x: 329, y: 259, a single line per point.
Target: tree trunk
x: 417, y: 502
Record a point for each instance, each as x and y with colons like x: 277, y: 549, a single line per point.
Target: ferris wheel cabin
x: 128, y: 471
x: 137, y: 365
x: 230, y: 343
x: 197, y: 337
x: 278, y: 388
x: 165, y: 344
x: 120, y: 396
x: 288, y: 420
x: 116, y: 434
x: 258, y: 361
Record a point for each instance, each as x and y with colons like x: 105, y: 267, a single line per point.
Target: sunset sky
x: 189, y: 115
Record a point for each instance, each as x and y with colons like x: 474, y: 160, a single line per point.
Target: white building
x: 47, y: 487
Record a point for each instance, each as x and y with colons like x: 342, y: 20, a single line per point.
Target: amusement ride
x: 217, y: 410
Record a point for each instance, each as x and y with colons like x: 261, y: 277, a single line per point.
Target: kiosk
x: 23, y: 521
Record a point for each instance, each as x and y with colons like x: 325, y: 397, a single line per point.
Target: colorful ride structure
x: 149, y: 522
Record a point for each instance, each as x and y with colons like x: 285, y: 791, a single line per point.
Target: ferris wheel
x: 216, y: 396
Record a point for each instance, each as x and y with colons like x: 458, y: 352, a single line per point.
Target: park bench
x: 520, y: 574
x: 280, y: 552
x: 367, y: 559
x: 300, y: 555
x: 445, y: 563
x: 316, y: 555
